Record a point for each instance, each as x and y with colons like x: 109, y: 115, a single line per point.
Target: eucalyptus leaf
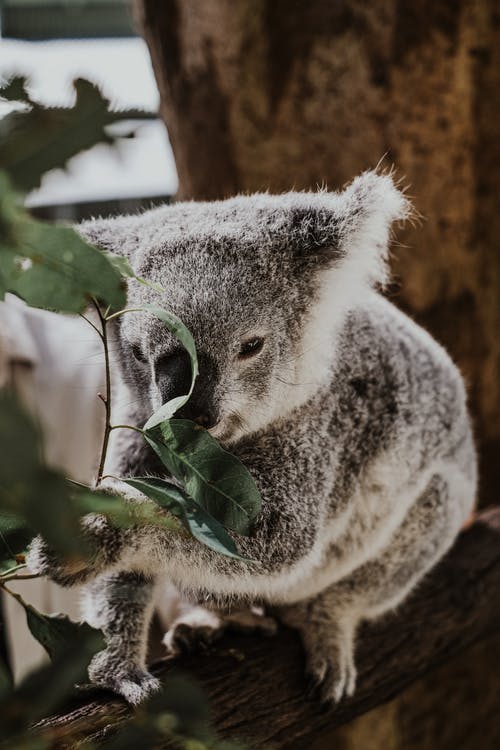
x: 31, y: 495
x: 195, y: 519
x: 178, y: 716
x: 45, y: 690
x: 216, y: 479
x: 54, y: 268
x: 57, y: 632
x: 120, y: 512
x: 122, y: 265
x: 38, y: 139
x: 177, y: 327
x: 14, y: 90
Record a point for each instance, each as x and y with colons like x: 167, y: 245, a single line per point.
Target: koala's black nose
x: 173, y: 378
x: 173, y: 374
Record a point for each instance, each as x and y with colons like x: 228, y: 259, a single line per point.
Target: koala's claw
x: 133, y: 683
x: 331, y: 679
x: 137, y: 687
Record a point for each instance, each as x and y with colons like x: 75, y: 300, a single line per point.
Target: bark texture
x: 256, y: 686
x: 273, y: 94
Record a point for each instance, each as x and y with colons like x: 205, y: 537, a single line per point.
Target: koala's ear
x: 352, y: 227
x: 117, y: 234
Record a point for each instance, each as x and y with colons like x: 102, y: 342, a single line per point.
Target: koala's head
x: 262, y: 282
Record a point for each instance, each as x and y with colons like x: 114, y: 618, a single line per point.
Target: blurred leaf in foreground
x: 46, y: 689
x: 56, y: 633
x: 37, y: 138
x: 179, y: 714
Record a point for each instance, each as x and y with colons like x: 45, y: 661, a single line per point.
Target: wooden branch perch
x: 256, y: 685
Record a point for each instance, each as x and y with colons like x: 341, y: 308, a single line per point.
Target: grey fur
x: 351, y: 419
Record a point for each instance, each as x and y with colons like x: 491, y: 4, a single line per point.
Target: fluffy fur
x: 351, y: 419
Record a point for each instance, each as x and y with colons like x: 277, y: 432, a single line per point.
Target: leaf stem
x: 15, y: 595
x: 87, y: 320
x: 107, y: 399
x: 12, y: 570
x: 126, y: 427
x: 16, y: 577
x: 122, y: 312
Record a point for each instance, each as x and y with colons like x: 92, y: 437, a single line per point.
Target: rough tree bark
x: 276, y: 94
x: 256, y: 685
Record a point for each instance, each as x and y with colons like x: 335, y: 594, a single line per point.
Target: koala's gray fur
x: 351, y: 419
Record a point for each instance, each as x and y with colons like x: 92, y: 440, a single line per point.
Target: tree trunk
x: 274, y: 94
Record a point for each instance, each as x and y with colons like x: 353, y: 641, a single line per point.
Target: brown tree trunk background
x: 276, y: 94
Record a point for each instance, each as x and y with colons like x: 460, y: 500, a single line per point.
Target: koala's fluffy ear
x: 352, y: 228
x: 118, y: 234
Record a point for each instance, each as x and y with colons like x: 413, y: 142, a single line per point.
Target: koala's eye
x: 251, y: 347
x: 138, y: 353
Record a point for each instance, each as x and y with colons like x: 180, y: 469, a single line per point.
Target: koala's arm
x: 294, y: 507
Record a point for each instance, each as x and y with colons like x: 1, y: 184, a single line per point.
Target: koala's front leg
x: 121, y: 604
x: 328, y: 622
x: 105, y: 545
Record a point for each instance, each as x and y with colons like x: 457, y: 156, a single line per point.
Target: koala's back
x: 396, y: 390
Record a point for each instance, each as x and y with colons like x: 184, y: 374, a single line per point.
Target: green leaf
x: 122, y: 265
x: 33, y: 142
x: 38, y: 497
x: 54, y: 268
x: 178, y: 716
x: 57, y: 632
x: 46, y: 689
x: 195, y: 519
x: 121, y: 513
x: 15, y: 90
x: 216, y: 479
x: 177, y: 327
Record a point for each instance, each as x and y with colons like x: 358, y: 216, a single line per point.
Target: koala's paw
x: 66, y: 571
x: 198, y: 627
x: 133, y: 683
x: 195, y: 629
x: 103, y: 547
x: 330, y: 669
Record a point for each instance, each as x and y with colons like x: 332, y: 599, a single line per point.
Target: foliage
x: 52, y: 267
x: 210, y: 474
x: 35, y: 139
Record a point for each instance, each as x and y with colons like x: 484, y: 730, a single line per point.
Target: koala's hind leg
x: 121, y: 604
x: 328, y: 622
x: 196, y: 626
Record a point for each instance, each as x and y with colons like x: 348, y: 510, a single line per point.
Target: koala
x: 351, y: 419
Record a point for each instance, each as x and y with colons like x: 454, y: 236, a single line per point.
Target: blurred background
x: 253, y: 95
x: 54, y: 43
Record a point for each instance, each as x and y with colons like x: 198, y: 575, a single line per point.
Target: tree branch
x: 256, y: 685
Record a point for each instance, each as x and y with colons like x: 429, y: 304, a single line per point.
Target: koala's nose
x: 173, y: 378
x: 173, y: 375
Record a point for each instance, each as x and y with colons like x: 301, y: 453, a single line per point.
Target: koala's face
x: 245, y: 319
x: 260, y: 281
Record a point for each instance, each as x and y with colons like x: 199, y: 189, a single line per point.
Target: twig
x: 107, y: 399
